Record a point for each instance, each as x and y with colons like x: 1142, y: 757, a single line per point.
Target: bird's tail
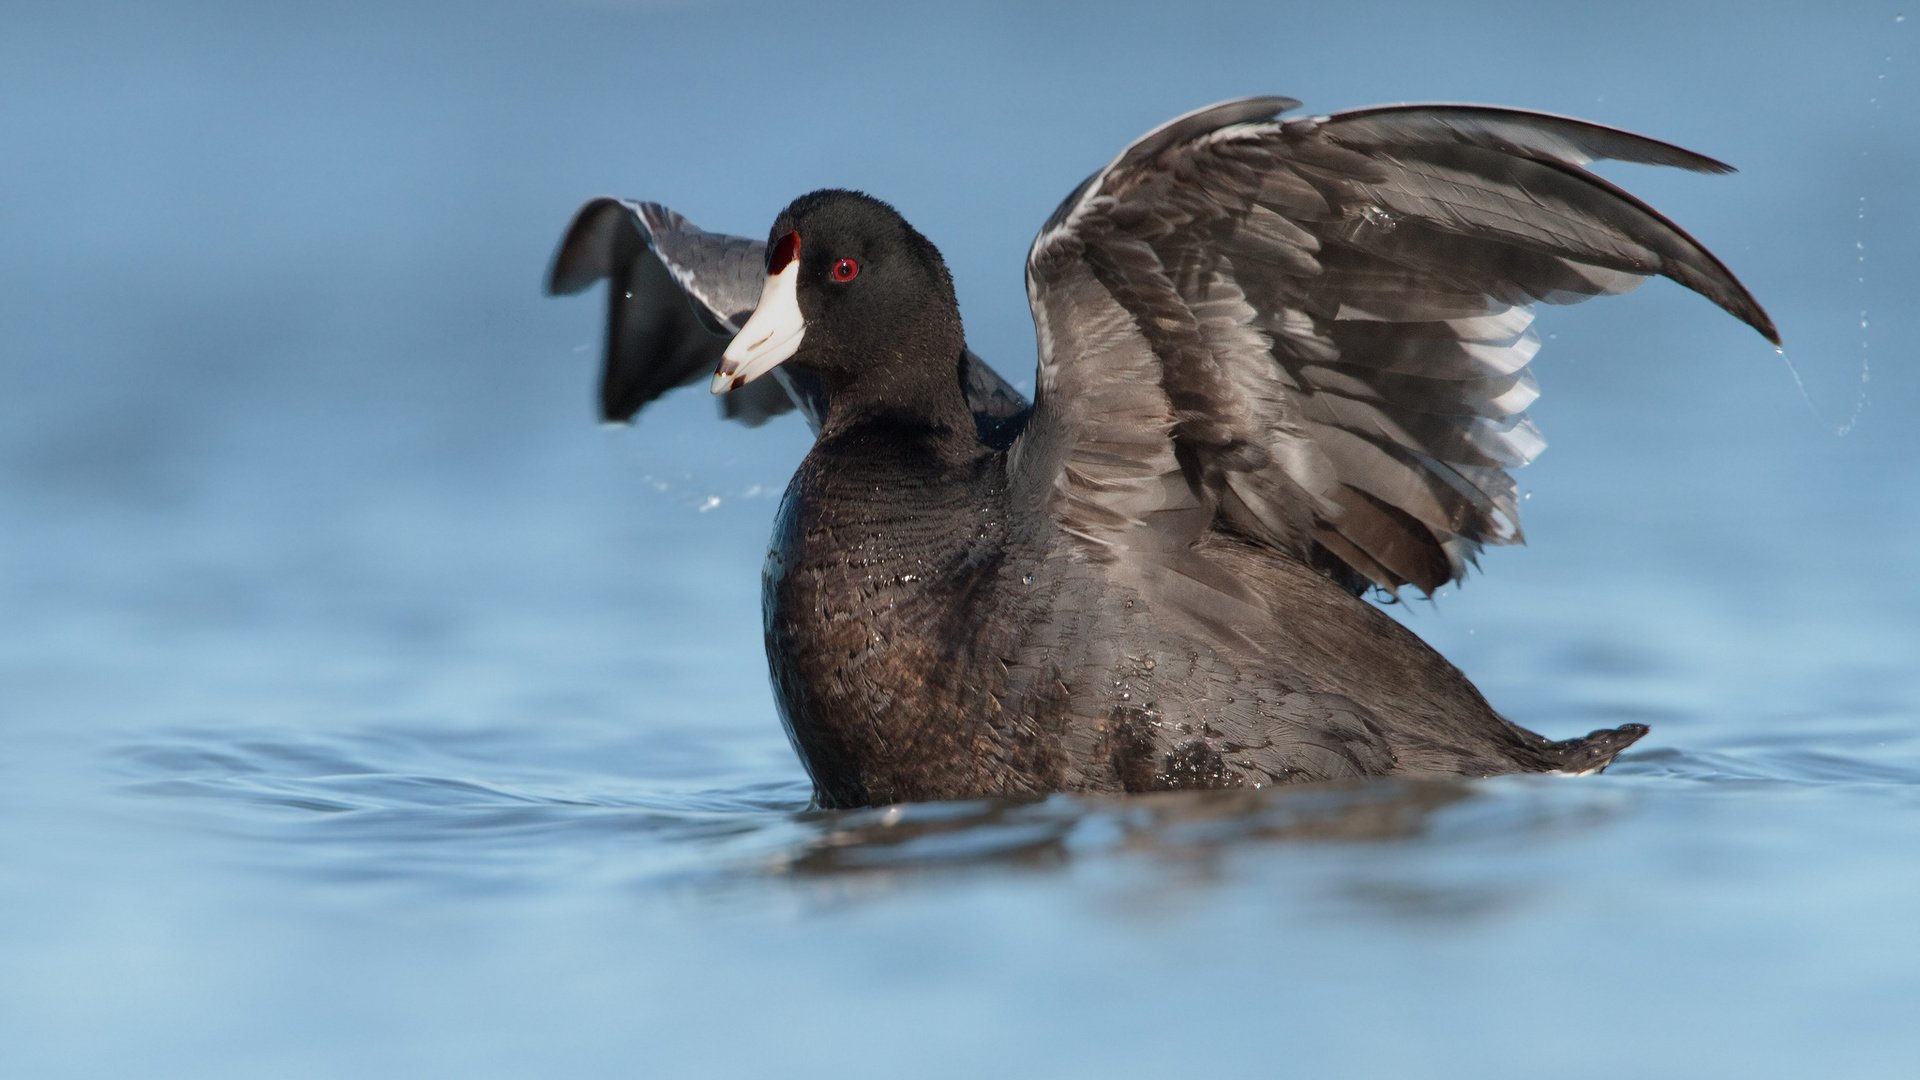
x: 1594, y: 752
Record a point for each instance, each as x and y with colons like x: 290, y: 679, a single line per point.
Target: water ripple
x: 477, y: 808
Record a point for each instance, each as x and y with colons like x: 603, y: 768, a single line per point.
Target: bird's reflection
x: 1395, y: 848
x: 1193, y: 828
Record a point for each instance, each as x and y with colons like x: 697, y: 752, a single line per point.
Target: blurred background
x: 372, y: 710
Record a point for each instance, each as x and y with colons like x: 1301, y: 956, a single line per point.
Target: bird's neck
x: 915, y: 406
x: 899, y: 485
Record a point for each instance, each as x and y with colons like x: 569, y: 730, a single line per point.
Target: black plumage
x: 1281, y: 360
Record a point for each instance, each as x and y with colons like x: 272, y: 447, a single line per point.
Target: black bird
x: 1282, y: 361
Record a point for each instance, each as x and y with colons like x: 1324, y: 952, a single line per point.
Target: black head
x: 856, y: 297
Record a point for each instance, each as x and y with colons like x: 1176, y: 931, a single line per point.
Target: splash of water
x: 1862, y: 396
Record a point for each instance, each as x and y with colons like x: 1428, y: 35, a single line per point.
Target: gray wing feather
x: 1317, y: 331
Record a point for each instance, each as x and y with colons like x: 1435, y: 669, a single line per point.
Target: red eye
x: 845, y: 270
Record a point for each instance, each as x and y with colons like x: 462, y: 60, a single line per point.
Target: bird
x: 1283, y: 364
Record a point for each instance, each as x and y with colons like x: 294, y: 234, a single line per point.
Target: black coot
x: 1281, y: 362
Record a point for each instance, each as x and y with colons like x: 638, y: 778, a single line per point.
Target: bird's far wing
x: 677, y: 294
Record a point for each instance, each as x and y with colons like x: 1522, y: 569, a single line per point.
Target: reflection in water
x: 1190, y: 827
x: 1381, y: 846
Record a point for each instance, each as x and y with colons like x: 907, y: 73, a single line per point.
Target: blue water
x: 371, y: 712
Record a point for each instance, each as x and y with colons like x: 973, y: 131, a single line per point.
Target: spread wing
x: 676, y: 296
x: 1316, y: 331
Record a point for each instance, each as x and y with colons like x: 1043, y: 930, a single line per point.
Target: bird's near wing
x: 1316, y: 331
x: 677, y: 294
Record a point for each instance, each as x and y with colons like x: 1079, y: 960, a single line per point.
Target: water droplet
x: 1026, y: 579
